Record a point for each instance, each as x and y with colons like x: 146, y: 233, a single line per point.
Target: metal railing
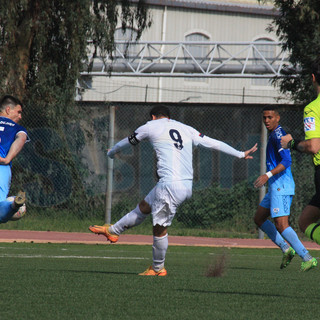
x: 194, y: 59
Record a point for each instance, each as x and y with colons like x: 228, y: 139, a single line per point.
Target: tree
x: 43, y: 46
x: 43, y: 49
x: 298, y: 27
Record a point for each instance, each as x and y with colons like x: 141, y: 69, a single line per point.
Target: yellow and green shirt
x: 311, y: 120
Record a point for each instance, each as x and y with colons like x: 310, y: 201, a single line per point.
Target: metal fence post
x: 263, y: 166
x: 110, y: 166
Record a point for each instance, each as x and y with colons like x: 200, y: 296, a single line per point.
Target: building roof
x: 236, y: 6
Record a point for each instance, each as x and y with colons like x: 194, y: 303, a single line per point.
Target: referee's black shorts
x: 315, y: 201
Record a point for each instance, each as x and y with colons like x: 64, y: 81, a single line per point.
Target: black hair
x: 8, y: 100
x: 315, y: 69
x: 271, y: 108
x: 159, y: 111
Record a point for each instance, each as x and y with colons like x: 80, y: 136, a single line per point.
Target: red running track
x: 90, y: 238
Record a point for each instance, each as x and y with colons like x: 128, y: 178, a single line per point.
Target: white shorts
x: 165, y: 198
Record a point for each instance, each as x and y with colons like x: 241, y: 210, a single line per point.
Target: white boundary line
x: 25, y: 256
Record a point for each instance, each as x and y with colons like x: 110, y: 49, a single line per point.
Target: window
x: 198, y: 51
x: 269, y: 53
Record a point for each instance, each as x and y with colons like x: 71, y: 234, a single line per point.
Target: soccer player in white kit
x: 173, y: 142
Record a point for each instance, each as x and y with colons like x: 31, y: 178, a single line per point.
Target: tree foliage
x: 43, y: 49
x: 298, y: 27
x: 216, y: 206
x: 43, y: 46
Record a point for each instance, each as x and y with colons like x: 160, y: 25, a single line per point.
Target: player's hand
x: 111, y: 154
x: 4, y: 161
x: 285, y: 140
x: 261, y: 181
x: 247, y: 154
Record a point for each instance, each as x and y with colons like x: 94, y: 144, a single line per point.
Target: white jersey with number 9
x: 172, y: 142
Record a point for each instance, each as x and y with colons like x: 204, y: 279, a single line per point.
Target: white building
x: 237, y: 22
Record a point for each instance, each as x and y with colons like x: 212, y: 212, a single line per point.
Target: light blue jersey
x: 282, y: 183
x: 279, y: 198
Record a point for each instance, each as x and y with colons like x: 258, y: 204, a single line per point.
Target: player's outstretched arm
x: 122, y: 144
x: 132, y: 140
x: 247, y: 154
x: 210, y: 143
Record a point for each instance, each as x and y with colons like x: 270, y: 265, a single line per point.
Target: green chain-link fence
x: 64, y: 172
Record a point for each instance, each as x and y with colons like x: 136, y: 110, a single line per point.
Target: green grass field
x: 61, y: 281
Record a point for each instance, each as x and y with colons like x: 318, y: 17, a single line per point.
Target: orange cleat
x: 151, y: 272
x: 113, y: 238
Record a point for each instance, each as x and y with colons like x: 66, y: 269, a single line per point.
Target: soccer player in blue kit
x: 173, y: 143
x: 277, y: 201
x: 12, y: 139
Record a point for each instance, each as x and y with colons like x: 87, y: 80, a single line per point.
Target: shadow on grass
x: 243, y: 268
x: 237, y: 293
x: 88, y: 271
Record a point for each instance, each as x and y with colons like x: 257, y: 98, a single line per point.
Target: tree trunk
x: 19, y: 49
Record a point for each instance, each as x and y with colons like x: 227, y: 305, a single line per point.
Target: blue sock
x: 290, y: 235
x: 269, y: 228
x: 6, y: 211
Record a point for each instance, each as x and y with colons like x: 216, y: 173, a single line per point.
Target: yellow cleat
x: 113, y: 238
x: 151, y: 272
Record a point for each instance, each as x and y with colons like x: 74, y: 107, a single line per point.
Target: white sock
x: 131, y: 219
x: 159, y: 249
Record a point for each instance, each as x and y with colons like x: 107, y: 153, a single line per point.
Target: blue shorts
x: 5, y: 181
x: 279, y: 205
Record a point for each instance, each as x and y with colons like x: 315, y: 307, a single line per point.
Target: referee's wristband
x: 292, y: 144
x: 269, y: 174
